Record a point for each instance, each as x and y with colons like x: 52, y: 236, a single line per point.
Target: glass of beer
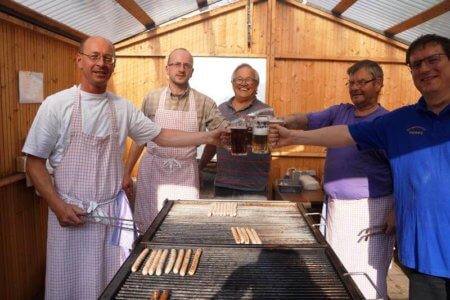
x: 277, y: 120
x: 249, y: 119
x: 260, y: 135
x: 239, y: 137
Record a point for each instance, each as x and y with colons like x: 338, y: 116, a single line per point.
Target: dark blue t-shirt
x: 417, y: 142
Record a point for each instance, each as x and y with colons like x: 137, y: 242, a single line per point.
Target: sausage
x: 250, y: 235
x: 139, y: 260
x: 155, y: 295
x: 172, y: 257
x: 244, y: 235
x: 235, y: 206
x: 258, y: 240
x: 164, y: 295
x: 195, y: 261
x: 161, y: 262
x: 152, y: 269
x: 177, y: 266
x: 235, y: 235
x: 148, y: 263
x: 187, y: 258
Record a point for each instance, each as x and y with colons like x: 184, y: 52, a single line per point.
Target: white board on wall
x: 212, y: 76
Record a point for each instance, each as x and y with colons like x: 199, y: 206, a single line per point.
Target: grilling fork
x: 113, y: 225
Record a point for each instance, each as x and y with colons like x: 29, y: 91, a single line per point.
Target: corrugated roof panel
x: 90, y: 17
x: 439, y: 25
x: 326, y: 5
x: 383, y: 14
x: 162, y: 10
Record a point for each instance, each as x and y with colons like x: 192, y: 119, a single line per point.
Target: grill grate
x: 225, y: 273
x: 278, y: 223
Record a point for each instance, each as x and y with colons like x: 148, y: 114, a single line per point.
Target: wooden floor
x: 397, y: 281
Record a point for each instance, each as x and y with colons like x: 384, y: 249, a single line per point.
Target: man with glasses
x: 82, y: 132
x: 164, y: 172
x: 416, y: 139
x: 240, y: 177
x: 358, y: 185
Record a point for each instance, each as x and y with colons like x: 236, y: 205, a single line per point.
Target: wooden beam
x: 178, y: 25
x: 19, y: 11
x: 136, y: 11
x: 342, y: 6
x: 11, y: 179
x: 432, y: 12
x: 202, y: 3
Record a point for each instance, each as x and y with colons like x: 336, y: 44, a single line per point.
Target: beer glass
x: 249, y: 119
x: 238, y: 137
x: 260, y: 135
x: 277, y: 120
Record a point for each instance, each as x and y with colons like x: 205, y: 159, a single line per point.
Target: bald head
x: 179, y: 51
x: 96, y: 39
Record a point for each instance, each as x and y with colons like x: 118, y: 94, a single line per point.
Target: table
x: 308, y: 198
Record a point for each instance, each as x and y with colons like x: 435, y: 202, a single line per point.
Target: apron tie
x: 170, y: 163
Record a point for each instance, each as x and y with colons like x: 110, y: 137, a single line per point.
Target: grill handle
x: 318, y: 214
x: 368, y: 278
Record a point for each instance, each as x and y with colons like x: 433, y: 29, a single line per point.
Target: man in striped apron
x: 82, y: 131
x: 167, y: 172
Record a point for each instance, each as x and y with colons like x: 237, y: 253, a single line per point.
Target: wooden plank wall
x: 23, y: 216
x: 308, y: 53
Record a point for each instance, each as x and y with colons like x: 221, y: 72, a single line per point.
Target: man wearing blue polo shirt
x: 416, y: 139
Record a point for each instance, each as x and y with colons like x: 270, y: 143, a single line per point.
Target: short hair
x: 179, y: 49
x: 83, y: 42
x: 428, y: 39
x: 245, y: 65
x: 371, y: 66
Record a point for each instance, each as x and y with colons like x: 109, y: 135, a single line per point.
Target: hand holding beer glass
x: 260, y: 135
x: 238, y: 137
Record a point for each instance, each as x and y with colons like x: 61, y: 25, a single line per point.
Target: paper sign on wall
x: 31, y: 87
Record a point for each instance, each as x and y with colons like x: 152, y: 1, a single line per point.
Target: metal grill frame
x: 119, y: 279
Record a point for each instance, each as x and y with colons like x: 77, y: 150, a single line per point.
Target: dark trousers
x: 233, y: 194
x: 428, y: 287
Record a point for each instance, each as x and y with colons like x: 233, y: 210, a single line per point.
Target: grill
x: 293, y: 261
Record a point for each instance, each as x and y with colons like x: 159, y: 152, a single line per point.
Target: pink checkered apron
x: 81, y: 260
x: 347, y: 221
x: 167, y: 172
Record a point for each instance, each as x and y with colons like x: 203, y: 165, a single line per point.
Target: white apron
x: 81, y: 260
x: 167, y: 172
x: 347, y: 222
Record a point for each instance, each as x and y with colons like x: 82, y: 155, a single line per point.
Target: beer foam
x: 260, y: 131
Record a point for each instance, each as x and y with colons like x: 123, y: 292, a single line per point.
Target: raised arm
x: 208, y: 154
x: 296, y: 121
x: 177, y: 138
x: 67, y: 214
x: 330, y: 137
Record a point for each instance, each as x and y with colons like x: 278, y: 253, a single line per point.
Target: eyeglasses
x: 178, y: 65
x: 359, y: 83
x: 240, y: 80
x: 95, y: 57
x: 431, y: 60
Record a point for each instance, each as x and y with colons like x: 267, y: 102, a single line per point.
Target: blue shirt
x: 349, y: 173
x: 417, y: 142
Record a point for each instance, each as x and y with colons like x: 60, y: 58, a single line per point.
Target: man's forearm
x: 330, y: 137
x: 177, y: 138
x: 296, y: 121
x: 133, y: 156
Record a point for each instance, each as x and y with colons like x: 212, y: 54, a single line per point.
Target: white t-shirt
x: 50, y: 133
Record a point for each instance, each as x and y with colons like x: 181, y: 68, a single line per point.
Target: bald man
x: 82, y: 132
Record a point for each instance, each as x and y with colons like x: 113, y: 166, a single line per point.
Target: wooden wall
x: 308, y: 53
x: 23, y: 216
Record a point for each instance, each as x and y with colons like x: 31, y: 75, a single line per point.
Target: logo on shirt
x: 416, y: 130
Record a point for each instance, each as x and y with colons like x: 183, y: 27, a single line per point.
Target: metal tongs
x: 134, y: 225
x: 374, y: 230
